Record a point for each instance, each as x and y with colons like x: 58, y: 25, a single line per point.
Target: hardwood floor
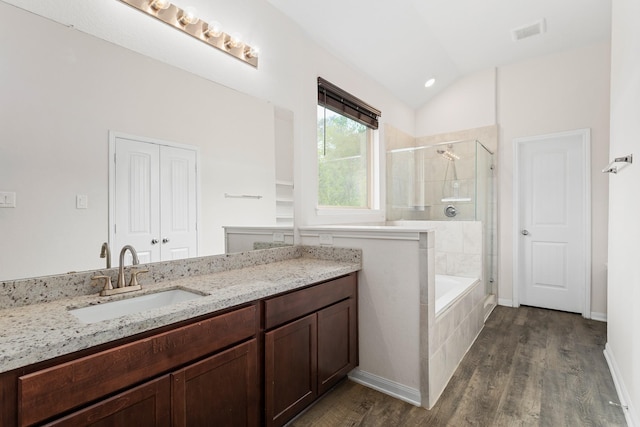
x: 528, y: 367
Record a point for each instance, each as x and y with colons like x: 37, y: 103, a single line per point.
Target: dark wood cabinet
x: 148, y: 405
x: 337, y: 343
x: 290, y: 369
x: 206, y: 369
x: 305, y: 357
x: 222, y: 390
x: 258, y: 364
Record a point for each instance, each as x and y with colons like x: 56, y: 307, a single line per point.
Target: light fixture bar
x: 186, y: 21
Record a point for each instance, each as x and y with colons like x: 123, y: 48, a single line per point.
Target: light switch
x: 7, y: 199
x: 82, y: 201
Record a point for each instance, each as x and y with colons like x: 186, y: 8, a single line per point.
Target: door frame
x: 585, y: 135
x: 113, y: 135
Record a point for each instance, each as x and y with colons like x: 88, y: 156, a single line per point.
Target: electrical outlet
x: 325, y: 239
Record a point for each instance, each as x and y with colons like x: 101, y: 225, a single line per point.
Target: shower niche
x: 442, y: 182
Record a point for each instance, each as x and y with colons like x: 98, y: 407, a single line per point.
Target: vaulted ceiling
x: 402, y: 43
x: 399, y: 43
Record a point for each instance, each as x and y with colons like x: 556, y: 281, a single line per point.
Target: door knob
x: 165, y: 240
x: 525, y: 232
x: 154, y: 241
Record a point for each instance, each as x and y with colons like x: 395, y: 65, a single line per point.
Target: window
x: 346, y: 129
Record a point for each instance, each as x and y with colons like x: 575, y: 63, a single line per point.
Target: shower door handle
x: 524, y: 232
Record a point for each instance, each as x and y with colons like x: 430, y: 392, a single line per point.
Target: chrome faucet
x: 134, y: 254
x: 105, y: 252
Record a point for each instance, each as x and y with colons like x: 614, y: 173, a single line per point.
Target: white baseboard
x: 505, y: 302
x: 600, y: 317
x: 383, y: 385
x: 630, y: 413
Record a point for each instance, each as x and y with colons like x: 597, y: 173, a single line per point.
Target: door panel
x: 337, y: 343
x: 222, y: 390
x: 552, y: 219
x: 137, y: 197
x: 178, y: 201
x: 145, y: 405
x: 290, y: 369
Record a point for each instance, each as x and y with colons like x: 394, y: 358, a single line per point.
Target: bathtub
x: 449, y: 289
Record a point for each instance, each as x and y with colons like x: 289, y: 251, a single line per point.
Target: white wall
x: 555, y: 93
x: 564, y: 91
x: 287, y: 75
x: 62, y: 92
x: 623, y: 329
x: 289, y: 66
x: 468, y: 103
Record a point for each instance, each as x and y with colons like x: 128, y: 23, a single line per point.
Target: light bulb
x: 251, y: 51
x: 213, y: 30
x: 234, y: 41
x: 159, y: 4
x: 430, y: 82
x: 188, y: 16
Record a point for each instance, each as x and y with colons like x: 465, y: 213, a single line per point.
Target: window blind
x: 332, y: 97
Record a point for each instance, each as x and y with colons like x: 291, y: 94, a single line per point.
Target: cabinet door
x: 337, y: 343
x: 222, y: 390
x: 290, y: 369
x: 145, y: 405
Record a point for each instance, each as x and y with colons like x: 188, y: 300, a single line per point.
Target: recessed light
x: 430, y: 82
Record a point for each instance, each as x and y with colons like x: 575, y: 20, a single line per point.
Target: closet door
x: 137, y: 200
x: 178, y: 203
x: 154, y: 196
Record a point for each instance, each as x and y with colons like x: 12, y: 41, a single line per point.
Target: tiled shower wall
x: 488, y: 136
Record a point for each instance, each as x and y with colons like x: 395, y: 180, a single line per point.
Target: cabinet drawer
x: 290, y: 306
x: 60, y: 388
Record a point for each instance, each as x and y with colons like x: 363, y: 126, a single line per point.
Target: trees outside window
x: 344, y: 161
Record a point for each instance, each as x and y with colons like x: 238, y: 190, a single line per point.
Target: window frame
x: 345, y: 104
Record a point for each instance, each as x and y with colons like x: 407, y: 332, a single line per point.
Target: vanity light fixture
x: 213, y: 30
x: 189, y: 16
x: 251, y: 52
x: 234, y: 41
x: 187, y: 20
x: 159, y: 4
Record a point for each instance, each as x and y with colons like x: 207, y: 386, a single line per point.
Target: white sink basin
x: 111, y: 310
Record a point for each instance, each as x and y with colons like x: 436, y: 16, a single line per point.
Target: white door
x: 178, y: 203
x: 552, y: 222
x: 153, y: 196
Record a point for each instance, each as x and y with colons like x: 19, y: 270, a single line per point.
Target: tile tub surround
x: 451, y: 334
x: 402, y: 340
x: 459, y: 246
x: 44, y: 330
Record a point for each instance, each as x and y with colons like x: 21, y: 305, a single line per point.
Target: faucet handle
x: 106, y: 281
x: 134, y: 276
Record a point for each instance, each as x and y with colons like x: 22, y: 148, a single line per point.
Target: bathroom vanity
x: 261, y: 354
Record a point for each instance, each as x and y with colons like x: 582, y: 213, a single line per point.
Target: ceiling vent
x: 530, y: 30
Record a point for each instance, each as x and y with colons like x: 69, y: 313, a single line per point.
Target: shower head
x: 448, y: 154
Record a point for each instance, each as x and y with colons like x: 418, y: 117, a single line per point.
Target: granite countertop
x: 38, y: 332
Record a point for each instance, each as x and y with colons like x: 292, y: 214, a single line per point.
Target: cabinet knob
x: 165, y: 240
x: 525, y: 232
x: 154, y: 241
